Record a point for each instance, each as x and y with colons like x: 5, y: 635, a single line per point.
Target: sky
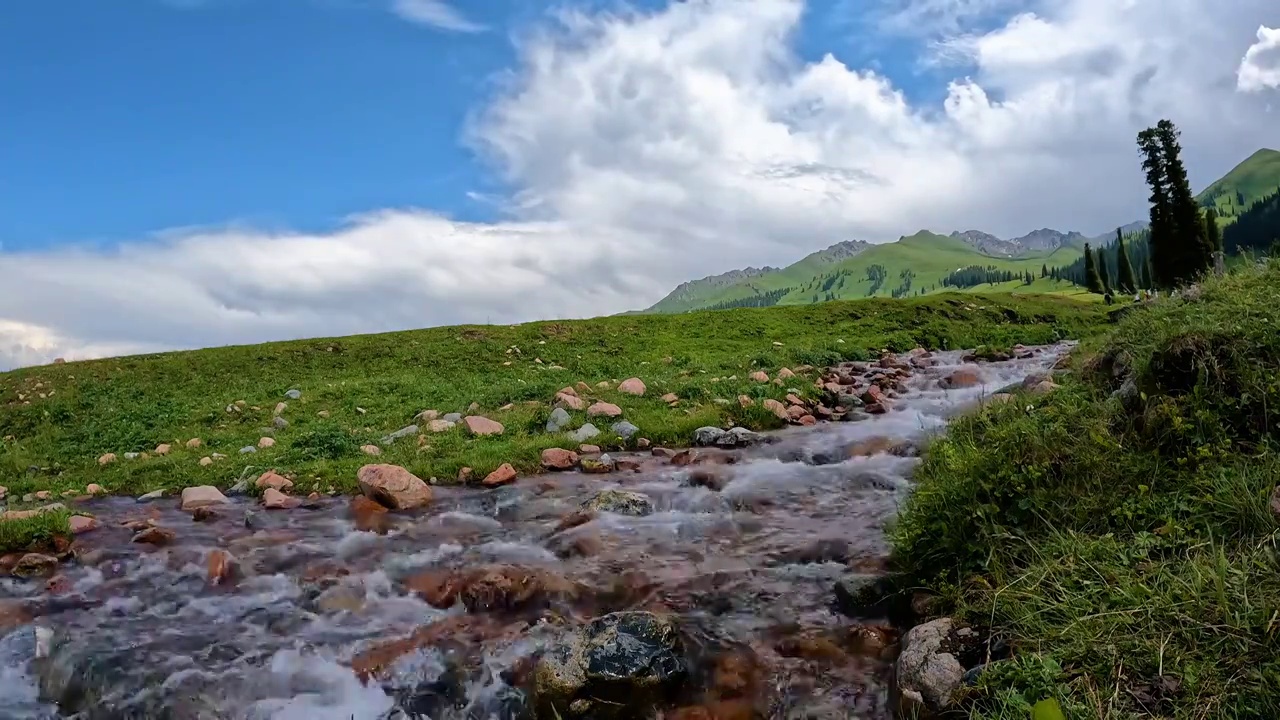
x: 191, y: 173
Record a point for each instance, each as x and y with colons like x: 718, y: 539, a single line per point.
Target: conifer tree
x: 1103, y: 273
x: 1211, y: 232
x: 1092, y: 281
x: 1193, y: 252
x: 1160, y: 230
x: 1044, y: 271
x: 1125, y: 280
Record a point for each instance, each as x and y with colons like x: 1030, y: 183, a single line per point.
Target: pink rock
x: 206, y: 461
x: 201, y: 496
x: 588, y: 449
x: 272, y: 479
x: 393, y: 486
x: 95, y: 489
x: 572, y: 402
x: 439, y: 426
x: 163, y: 449
x: 776, y: 408
x: 963, y: 377
x: 482, y: 426
x: 273, y: 499
x: 632, y: 386
x: 107, y: 459
x: 266, y: 442
x: 568, y: 391
x: 559, y: 459
x: 795, y: 412
x: 745, y: 401
x: 759, y: 376
x: 785, y: 374
x: 604, y: 409
x: 503, y: 475
x: 371, y: 450
x: 81, y: 524
x: 194, y: 443
x: 670, y: 398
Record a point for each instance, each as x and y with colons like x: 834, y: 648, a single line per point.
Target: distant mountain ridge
x: 928, y: 262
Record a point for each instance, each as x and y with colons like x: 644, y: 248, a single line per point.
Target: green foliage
x: 1118, y: 530
x: 33, y: 531
x: 1093, y: 280
x: 369, y: 386
x: 1126, y: 281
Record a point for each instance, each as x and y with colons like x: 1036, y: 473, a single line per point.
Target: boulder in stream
x: 929, y: 670
x: 393, y: 486
x: 620, y: 502
x: 623, y: 664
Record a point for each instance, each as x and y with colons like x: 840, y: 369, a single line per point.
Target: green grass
x: 1122, y: 542
x: 1255, y: 178
x: 35, y: 531
x: 57, y: 420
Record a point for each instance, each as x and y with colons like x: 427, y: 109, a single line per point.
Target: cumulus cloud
x: 1260, y: 68
x: 648, y: 148
x: 435, y: 13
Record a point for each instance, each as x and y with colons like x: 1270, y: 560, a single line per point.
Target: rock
x: 273, y: 499
x: 670, y: 398
x: 588, y: 449
x: 248, y: 450
x: 452, y: 417
x: 603, y: 385
x: 43, y: 495
x: 558, y: 420
x: 759, y: 376
x: 604, y: 409
x: 785, y: 374
x: 927, y: 671
x: 280, y: 408
x: 620, y: 502
x: 35, y: 565
x: 776, y: 408
x: 95, y: 489
x: 153, y: 495
x: 632, y: 386
x: 624, y: 430
x: 293, y: 394
x: 279, y: 423
x: 107, y: 459
x: 708, y: 436
x: 489, y: 588
x: 368, y: 515
x: 662, y: 452
x: 584, y: 433
x: 643, y: 443
x: 1044, y: 387
x: 194, y: 443
x: 220, y: 567
x: 393, y: 486
x: 597, y: 466
x: 480, y: 426
x: 266, y: 442
x: 155, y: 535
x: 203, y: 514
x: 558, y: 459
x: 503, y: 475
x: 808, y: 420
x: 81, y: 524
x: 709, y: 478
x: 873, y: 396
x: 465, y: 475
x: 240, y: 488
x: 371, y: 450
x: 439, y: 426
x: 963, y: 377
x: 795, y: 412
x: 201, y: 496
x: 745, y: 401
x: 573, y: 402
x: 404, y: 432
x: 621, y: 665
x: 427, y: 415
x: 163, y: 448
x: 323, y: 414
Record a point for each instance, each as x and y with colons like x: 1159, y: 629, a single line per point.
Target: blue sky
x: 144, y: 115
x: 187, y: 173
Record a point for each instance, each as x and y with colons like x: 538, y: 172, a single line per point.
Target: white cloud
x: 648, y: 148
x: 435, y: 13
x: 1260, y: 68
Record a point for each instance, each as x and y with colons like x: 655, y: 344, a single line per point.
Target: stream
x: 323, y: 619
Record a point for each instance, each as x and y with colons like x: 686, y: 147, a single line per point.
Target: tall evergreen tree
x: 1211, y: 232
x: 1103, y: 273
x: 1092, y: 281
x: 1160, y: 231
x: 1125, y: 280
x: 1193, y: 251
x: 1044, y: 271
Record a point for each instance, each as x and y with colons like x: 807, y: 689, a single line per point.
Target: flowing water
x: 748, y: 569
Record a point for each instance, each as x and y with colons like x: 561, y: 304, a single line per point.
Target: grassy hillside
x: 928, y: 255
x: 1119, y: 532
x: 1250, y: 181
x: 57, y: 420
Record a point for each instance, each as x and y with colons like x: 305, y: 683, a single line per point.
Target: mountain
x: 1252, y: 180
x: 915, y: 264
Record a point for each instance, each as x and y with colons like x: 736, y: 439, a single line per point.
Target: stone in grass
x: 632, y: 386
x: 481, y: 426
x: 584, y: 433
x: 452, y: 417
x: 625, y: 430
x: 393, y: 486
x: 404, y: 432
x: 558, y: 420
x: 294, y: 394
x: 279, y: 423
x: 248, y: 449
x: 604, y: 409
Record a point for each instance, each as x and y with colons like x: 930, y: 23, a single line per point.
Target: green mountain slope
x: 1255, y: 178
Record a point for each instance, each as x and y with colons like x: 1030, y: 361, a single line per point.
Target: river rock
x: 273, y: 499
x: 632, y: 386
x: 620, y: 502
x: 272, y: 479
x: 708, y: 435
x: 81, y: 524
x: 600, y: 465
x: 558, y: 420
x: 35, y: 565
x: 502, y: 476
x: 624, y: 430
x: 393, y: 486
x: 584, y: 433
x: 558, y: 459
x: 220, y: 567
x: 963, y: 377
x: 621, y: 665
x: 155, y: 535
x: 201, y: 496
x: 481, y: 426
x: 928, y: 670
